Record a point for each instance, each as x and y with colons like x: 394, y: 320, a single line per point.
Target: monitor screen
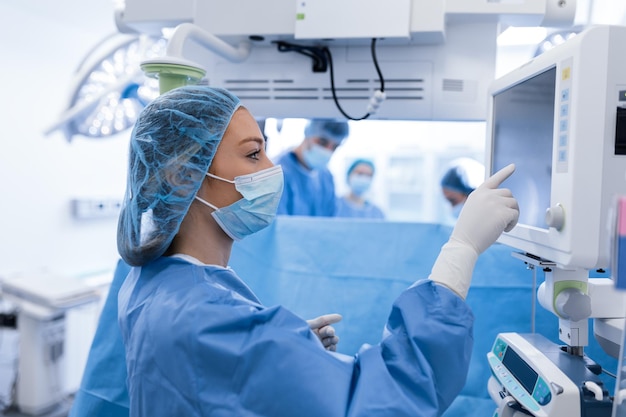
x: 520, y: 369
x: 557, y: 118
x: 523, y: 119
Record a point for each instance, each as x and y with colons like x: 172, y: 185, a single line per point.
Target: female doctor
x: 198, y: 342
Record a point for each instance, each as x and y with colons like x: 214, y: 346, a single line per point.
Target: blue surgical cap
x: 464, y: 175
x: 171, y: 148
x: 329, y: 129
x: 359, y: 162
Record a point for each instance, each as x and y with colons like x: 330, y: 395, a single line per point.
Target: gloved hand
x: 321, y: 326
x: 488, y: 212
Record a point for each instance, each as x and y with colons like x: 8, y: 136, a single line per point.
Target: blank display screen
x: 520, y: 370
x: 523, y: 118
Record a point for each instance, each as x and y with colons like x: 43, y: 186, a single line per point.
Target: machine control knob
x: 555, y: 216
x: 571, y: 304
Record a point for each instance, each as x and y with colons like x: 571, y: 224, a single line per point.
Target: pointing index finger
x: 496, y: 179
x: 324, y: 320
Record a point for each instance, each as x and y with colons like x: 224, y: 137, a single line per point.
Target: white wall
x: 43, y: 43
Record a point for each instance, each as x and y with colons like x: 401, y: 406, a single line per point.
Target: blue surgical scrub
x: 346, y: 208
x: 103, y: 390
x: 199, y: 343
x: 306, y: 192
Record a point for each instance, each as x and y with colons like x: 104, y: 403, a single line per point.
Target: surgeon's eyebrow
x: 256, y: 139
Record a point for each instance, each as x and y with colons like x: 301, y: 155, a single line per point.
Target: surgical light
x: 109, y: 88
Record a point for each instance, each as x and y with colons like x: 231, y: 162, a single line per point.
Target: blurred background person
x: 460, y: 179
x: 359, y: 178
x: 309, y: 185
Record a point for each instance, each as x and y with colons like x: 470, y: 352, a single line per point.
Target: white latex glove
x: 321, y: 326
x: 488, y: 212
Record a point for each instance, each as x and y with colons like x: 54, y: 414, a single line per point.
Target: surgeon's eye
x: 254, y: 155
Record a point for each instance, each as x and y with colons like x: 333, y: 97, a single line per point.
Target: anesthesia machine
x: 561, y: 118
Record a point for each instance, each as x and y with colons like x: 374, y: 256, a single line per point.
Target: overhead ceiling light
x: 109, y: 88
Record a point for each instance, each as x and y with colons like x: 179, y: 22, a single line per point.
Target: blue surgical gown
x: 102, y: 391
x: 306, y: 192
x: 346, y: 208
x: 199, y: 343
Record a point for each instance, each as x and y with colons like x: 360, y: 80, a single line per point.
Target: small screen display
x: 520, y: 370
x: 523, y: 124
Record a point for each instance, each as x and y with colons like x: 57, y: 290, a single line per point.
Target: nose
x: 266, y: 162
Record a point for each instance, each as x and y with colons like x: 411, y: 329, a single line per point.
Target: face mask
x: 317, y: 157
x: 359, y: 184
x: 261, y: 193
x: 456, y: 210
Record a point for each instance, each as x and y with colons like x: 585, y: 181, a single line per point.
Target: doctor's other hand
x: 488, y: 212
x: 321, y: 326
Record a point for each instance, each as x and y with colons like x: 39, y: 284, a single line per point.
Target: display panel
x: 523, y: 118
x: 520, y: 370
x: 556, y: 118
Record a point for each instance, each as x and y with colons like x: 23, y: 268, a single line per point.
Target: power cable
x: 379, y: 95
x: 323, y: 59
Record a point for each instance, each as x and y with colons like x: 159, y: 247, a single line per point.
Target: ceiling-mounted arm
x: 173, y: 70
x: 189, y: 31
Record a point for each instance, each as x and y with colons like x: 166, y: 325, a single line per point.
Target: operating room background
x: 43, y: 43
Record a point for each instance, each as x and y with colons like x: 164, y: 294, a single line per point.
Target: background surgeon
x: 460, y: 179
x: 354, y: 204
x: 309, y: 185
x: 199, y: 342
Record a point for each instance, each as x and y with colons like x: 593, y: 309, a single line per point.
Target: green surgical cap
x: 171, y: 148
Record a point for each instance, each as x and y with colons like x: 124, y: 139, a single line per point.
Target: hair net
x: 464, y: 175
x: 328, y: 129
x: 171, y: 148
x: 359, y: 162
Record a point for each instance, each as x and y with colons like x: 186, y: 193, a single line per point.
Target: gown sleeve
x: 215, y: 355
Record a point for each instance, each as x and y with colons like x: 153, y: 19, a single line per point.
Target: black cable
x: 378, y: 71
x: 322, y: 59
x: 612, y: 375
x: 332, y: 79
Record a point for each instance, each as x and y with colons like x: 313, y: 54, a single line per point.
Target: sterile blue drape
x: 357, y: 267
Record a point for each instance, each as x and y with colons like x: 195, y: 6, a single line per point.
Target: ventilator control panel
x: 546, y: 380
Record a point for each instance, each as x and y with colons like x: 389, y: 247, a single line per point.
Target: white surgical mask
x: 317, y: 157
x: 359, y: 184
x: 261, y: 193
